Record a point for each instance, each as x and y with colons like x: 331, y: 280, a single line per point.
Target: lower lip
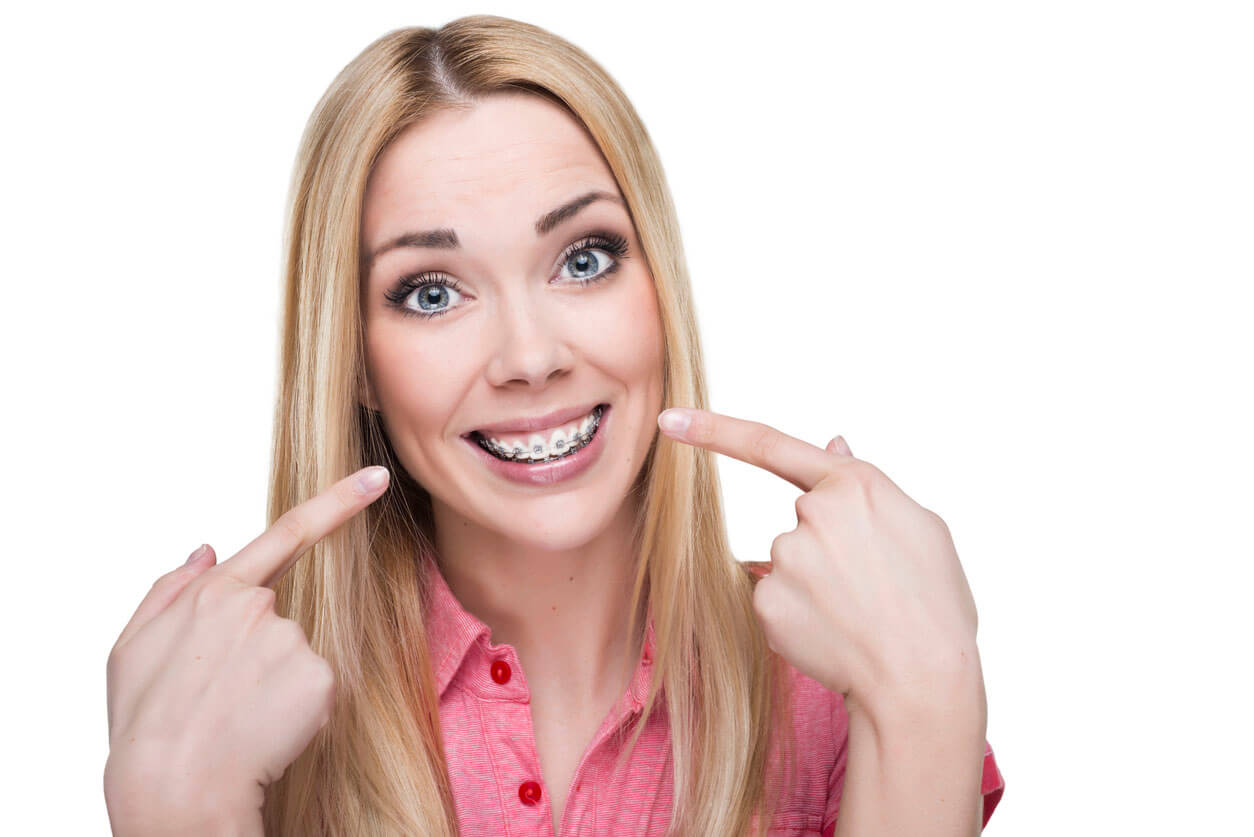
x: 568, y: 467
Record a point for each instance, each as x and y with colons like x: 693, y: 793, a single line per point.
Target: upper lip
x: 544, y: 422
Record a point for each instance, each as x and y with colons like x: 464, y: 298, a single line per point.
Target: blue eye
x: 432, y: 292
x: 431, y: 295
x: 580, y: 256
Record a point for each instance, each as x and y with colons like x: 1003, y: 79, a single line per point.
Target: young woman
x: 529, y: 620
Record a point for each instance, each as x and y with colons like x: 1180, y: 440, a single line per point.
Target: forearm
x: 915, y: 765
x: 142, y: 809
x: 134, y: 821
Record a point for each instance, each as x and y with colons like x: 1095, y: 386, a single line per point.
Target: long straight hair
x: 377, y: 767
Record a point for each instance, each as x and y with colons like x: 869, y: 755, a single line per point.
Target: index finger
x: 267, y: 557
x: 793, y: 459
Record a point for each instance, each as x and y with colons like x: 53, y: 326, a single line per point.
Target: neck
x: 564, y: 611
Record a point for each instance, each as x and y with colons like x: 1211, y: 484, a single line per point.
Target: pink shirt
x: 490, y: 746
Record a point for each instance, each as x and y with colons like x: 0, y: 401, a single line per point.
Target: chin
x: 547, y: 524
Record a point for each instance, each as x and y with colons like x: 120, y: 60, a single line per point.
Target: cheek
x: 415, y: 378
x: 648, y: 340
x: 627, y: 334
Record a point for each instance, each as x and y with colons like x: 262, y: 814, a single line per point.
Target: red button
x: 529, y: 792
x: 500, y: 671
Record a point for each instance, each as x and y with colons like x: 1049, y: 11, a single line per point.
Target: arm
x: 138, y: 807
x: 915, y: 765
x: 979, y: 814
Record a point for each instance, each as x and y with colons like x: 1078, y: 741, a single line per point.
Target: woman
x: 482, y: 247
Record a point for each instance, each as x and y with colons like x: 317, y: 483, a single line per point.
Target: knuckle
x: 210, y: 590
x: 292, y: 633
x: 323, y: 676
x: 162, y: 581
x: 807, y: 507
x: 778, y: 548
x: 345, y: 497
x: 938, y: 523
x: 864, y: 473
x: 114, y: 664
x: 764, y: 603
x: 323, y: 681
x: 763, y: 443
x: 291, y: 529
x: 259, y: 602
x: 857, y: 478
x: 171, y: 579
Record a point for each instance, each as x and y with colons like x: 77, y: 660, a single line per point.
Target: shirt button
x: 500, y: 671
x: 529, y: 792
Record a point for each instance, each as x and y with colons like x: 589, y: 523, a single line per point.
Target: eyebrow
x: 446, y: 239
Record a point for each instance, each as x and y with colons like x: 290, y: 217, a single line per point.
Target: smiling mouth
x: 543, y: 448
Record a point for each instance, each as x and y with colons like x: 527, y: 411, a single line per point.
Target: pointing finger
x: 799, y: 462
x: 263, y: 562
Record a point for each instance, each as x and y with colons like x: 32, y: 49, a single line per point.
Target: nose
x: 531, y: 348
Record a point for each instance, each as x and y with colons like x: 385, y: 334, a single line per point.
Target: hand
x: 211, y: 694
x: 866, y: 595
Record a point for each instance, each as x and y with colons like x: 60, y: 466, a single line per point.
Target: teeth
x: 536, y: 448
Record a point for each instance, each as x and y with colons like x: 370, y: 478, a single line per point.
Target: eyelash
x: 612, y: 243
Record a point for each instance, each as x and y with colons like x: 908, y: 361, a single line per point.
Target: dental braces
x: 580, y: 440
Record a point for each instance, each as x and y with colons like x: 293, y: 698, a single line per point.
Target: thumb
x: 839, y: 445
x: 167, y: 589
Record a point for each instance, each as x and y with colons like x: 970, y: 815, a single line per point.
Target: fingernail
x: 673, y: 420
x: 200, y: 550
x: 372, y: 479
x: 842, y: 446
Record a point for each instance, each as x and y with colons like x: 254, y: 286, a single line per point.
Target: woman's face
x: 483, y: 306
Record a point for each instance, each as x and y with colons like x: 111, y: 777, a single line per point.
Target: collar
x: 456, y: 636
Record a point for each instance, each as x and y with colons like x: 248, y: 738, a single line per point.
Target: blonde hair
x: 377, y: 768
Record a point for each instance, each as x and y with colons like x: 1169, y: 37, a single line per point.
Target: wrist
x: 914, y: 764
x: 141, y: 803
x: 949, y: 693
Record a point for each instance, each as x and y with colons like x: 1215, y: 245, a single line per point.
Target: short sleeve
x: 992, y: 785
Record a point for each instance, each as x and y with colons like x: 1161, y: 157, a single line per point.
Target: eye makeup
x: 433, y: 281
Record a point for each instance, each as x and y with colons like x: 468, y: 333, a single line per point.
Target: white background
x: 1004, y: 248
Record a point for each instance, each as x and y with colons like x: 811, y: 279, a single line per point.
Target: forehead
x: 509, y: 154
